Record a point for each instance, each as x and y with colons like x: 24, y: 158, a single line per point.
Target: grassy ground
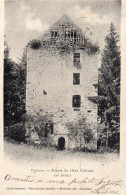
x: 22, y: 152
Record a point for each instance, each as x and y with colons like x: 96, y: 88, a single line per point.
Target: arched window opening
x: 76, y: 101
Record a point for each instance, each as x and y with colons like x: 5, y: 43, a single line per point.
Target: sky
x: 27, y: 20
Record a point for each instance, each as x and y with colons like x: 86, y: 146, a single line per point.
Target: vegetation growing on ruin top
x: 64, y: 46
x: 65, y: 36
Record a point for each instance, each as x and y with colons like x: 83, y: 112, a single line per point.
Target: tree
x: 10, y: 85
x: 109, y: 84
x: 80, y: 131
x: 13, y: 83
x: 22, y: 79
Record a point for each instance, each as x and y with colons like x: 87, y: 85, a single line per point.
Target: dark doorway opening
x: 61, y: 143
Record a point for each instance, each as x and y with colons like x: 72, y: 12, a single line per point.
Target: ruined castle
x: 61, y: 73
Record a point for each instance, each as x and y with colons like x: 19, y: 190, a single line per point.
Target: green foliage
x: 110, y: 64
x: 66, y: 46
x: 37, y: 123
x: 6, y: 51
x: 109, y: 77
x: 109, y: 87
x: 90, y: 48
x: 80, y: 131
x: 17, y: 132
x: 35, y: 44
x: 14, y: 90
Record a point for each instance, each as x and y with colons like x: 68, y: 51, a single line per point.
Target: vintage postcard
x: 63, y: 89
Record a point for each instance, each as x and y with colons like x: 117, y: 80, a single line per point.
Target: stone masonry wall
x: 50, y: 86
